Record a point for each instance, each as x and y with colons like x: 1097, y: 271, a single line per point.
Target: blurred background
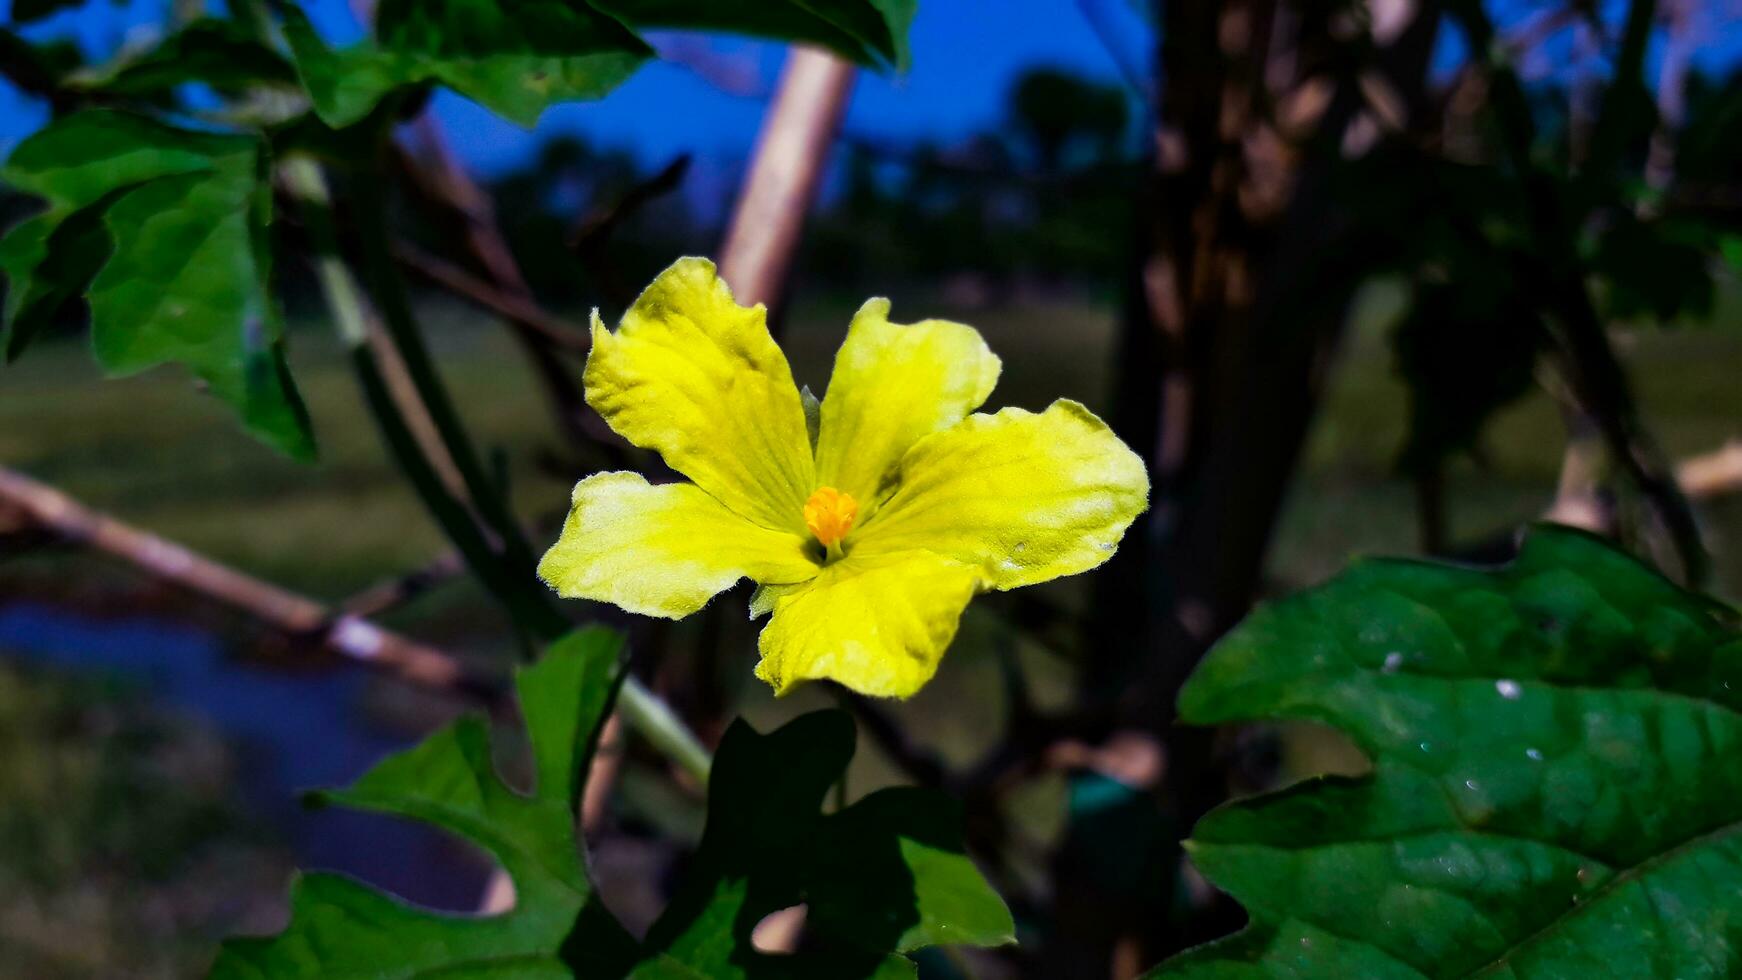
x: 1316, y: 279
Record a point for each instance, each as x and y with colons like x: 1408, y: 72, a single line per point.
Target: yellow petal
x: 662, y: 550
x: 696, y: 377
x: 1023, y: 497
x: 878, y: 625
x: 893, y: 385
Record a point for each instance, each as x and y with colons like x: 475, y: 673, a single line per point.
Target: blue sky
x: 966, y: 52
x: 963, y: 62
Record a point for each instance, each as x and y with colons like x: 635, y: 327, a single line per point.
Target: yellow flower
x: 869, y: 520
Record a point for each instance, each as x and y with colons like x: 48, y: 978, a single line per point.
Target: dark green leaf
x: 515, y: 60
x: 1466, y: 348
x: 895, y: 851
x: 1659, y: 268
x: 518, y: 59
x: 219, y: 53
x: 886, y: 875
x: 1556, y: 786
x: 25, y: 11
x: 163, y: 228
x: 867, y: 31
x: 1730, y: 247
x: 341, y: 929
x: 50, y: 262
x: 37, y: 69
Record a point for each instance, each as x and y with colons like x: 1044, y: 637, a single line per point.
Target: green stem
x: 350, y: 315
x: 647, y: 714
x: 1599, y: 381
x: 388, y: 289
x: 642, y: 710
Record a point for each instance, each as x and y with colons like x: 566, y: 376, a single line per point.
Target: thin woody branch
x: 1712, y: 474
x: 445, y: 181
x: 395, y: 592
x: 515, y: 307
x: 345, y: 633
x: 784, y: 174
x: 591, y: 235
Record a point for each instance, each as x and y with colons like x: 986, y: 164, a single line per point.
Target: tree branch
x: 924, y: 766
x: 1712, y: 474
x: 591, y: 234
x: 784, y: 174
x: 385, y: 596
x: 512, y: 306
x: 1596, y: 374
x: 443, y: 178
x: 345, y: 633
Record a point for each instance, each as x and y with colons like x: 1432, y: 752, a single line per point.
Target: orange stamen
x: 829, y: 514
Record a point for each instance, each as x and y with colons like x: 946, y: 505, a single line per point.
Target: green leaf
x: 884, y: 876
x: 50, y: 261
x: 1466, y: 348
x: 25, y: 11
x: 342, y: 929
x: 1730, y: 247
x: 164, y: 229
x: 514, y: 59
x: 1556, y: 786
x: 1658, y: 268
x: 38, y: 68
x: 866, y: 31
x: 519, y: 59
x: 219, y: 53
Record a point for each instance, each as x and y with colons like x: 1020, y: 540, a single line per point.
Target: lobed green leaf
x: 25, y: 11
x: 340, y: 928
x: 164, y: 229
x: 865, y: 31
x: 884, y: 876
x: 216, y: 52
x: 515, y: 60
x: 519, y: 59
x: 1556, y: 785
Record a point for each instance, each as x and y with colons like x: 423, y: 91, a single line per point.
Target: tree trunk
x: 1235, y: 303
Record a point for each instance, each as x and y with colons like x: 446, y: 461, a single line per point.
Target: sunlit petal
x: 893, y: 385
x: 697, y: 377
x: 662, y: 550
x: 878, y: 625
x: 1022, y: 497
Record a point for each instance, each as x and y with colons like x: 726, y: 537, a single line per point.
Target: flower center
x: 830, y: 514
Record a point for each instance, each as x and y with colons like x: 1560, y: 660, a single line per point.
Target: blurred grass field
x: 157, y: 453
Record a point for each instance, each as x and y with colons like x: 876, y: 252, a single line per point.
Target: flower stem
x: 649, y: 715
x: 516, y: 589
x: 351, y: 317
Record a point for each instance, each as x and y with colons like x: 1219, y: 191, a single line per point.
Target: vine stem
x: 642, y: 710
x: 651, y: 718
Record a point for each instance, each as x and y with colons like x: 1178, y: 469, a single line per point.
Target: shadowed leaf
x: 866, y: 31
x: 515, y: 60
x: 1556, y: 786
x: 163, y: 229
x: 884, y: 876
x: 340, y: 928
x: 219, y: 53
x: 25, y: 11
x: 519, y: 59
